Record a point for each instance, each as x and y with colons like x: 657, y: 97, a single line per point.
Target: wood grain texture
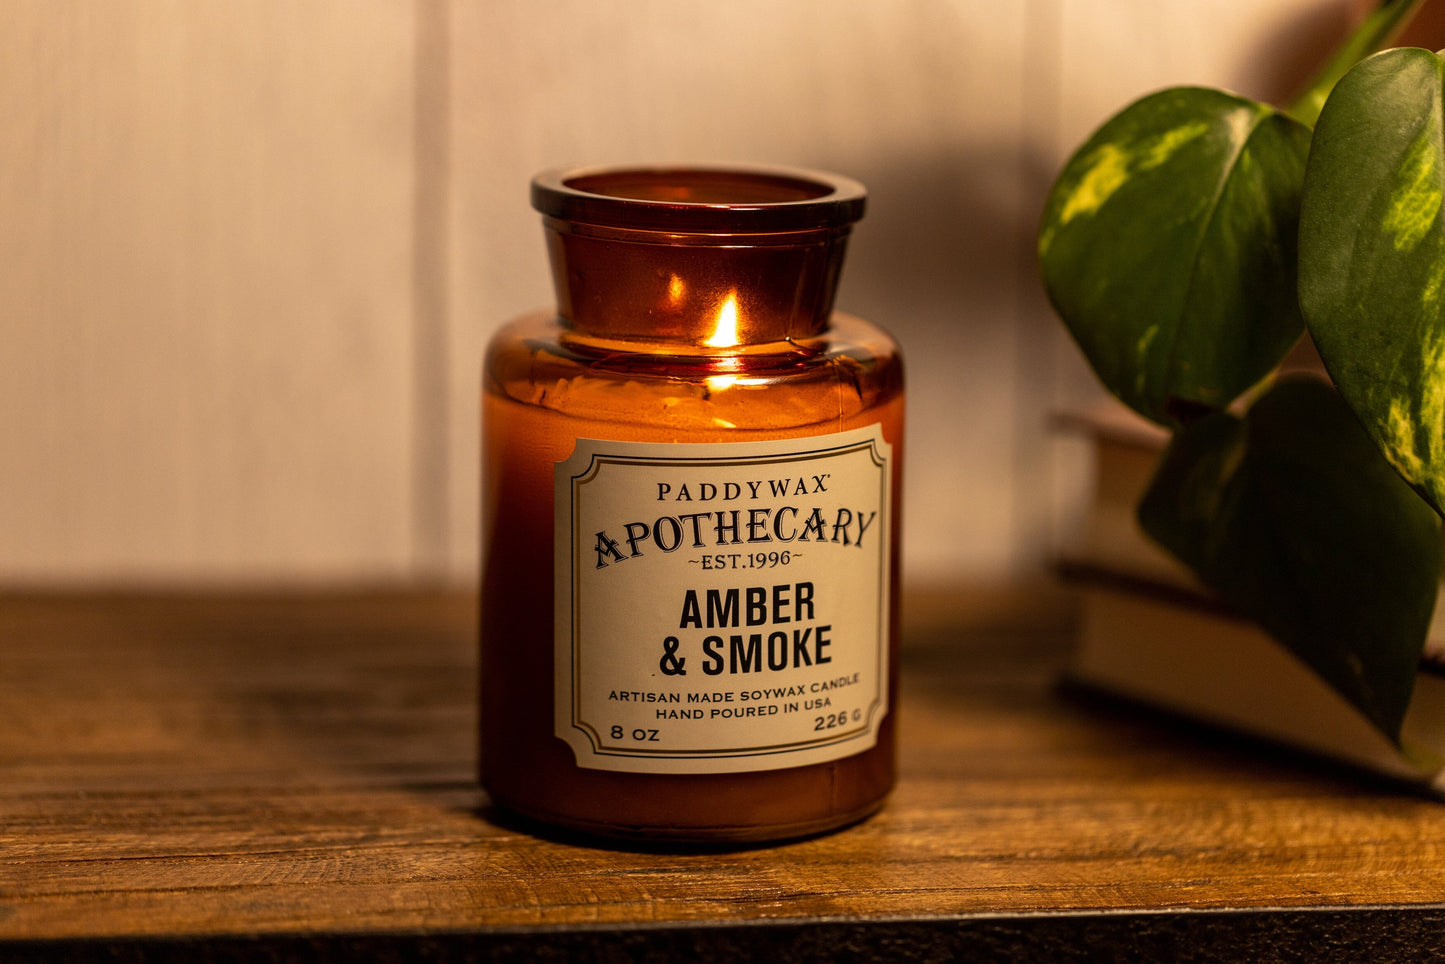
x: 191, y: 767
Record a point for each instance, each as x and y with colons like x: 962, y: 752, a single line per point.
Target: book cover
x: 1152, y: 633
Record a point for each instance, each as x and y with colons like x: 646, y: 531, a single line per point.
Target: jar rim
x: 740, y: 199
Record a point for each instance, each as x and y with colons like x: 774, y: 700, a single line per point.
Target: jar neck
x: 697, y: 290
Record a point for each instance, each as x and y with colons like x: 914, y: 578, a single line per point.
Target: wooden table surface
x: 240, y: 777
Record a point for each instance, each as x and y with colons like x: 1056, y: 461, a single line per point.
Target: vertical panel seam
x: 430, y: 509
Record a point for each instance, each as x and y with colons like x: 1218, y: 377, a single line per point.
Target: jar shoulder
x: 832, y: 378
x: 538, y: 348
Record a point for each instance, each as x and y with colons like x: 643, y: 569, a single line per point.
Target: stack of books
x: 1153, y: 634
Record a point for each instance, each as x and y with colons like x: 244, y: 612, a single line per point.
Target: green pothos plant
x: 1187, y: 245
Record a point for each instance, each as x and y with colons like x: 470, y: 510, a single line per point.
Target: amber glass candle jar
x: 691, y: 516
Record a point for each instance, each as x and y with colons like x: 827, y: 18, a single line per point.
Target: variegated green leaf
x: 1372, y: 256
x: 1168, y: 248
x: 1293, y: 517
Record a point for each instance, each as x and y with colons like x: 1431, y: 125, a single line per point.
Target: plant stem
x: 1374, y: 33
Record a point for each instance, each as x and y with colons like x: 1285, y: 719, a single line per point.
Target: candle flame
x: 725, y: 332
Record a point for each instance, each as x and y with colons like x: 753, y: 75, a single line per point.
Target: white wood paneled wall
x: 250, y: 253
x: 205, y: 290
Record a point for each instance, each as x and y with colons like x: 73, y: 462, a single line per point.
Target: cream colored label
x: 722, y: 608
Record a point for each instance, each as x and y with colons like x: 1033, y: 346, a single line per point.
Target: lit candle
x: 691, y: 496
